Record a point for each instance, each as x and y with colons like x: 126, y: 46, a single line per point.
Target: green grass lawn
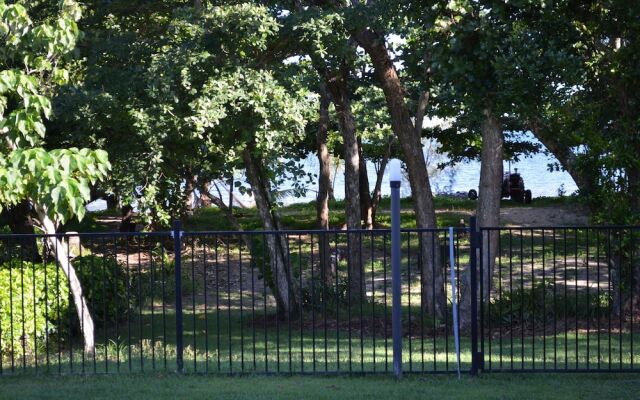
x: 303, y: 215
x: 169, y: 386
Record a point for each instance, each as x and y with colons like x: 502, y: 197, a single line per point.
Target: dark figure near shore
x: 126, y: 223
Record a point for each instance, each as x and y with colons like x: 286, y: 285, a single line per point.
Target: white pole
x: 454, y: 300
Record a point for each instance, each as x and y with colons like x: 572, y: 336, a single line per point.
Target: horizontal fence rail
x: 320, y: 301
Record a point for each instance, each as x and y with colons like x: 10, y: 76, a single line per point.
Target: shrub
x: 105, y: 285
x: 544, y: 302
x: 42, y: 292
x: 32, y: 296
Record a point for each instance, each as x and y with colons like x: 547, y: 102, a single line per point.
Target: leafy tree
x: 57, y: 182
x: 215, y: 93
x: 107, y: 104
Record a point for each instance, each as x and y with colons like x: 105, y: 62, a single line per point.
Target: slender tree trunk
x: 491, y: 174
x: 377, y: 190
x: 287, y: 293
x: 231, y: 183
x: 488, y: 211
x: 366, y: 203
x: 433, y: 295
x: 324, y: 185
x: 217, y: 201
x: 62, y: 256
x: 337, y: 86
x: 188, y: 194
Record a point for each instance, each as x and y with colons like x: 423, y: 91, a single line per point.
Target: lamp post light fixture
x: 395, y: 180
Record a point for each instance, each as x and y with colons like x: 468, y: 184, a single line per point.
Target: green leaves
x: 57, y: 180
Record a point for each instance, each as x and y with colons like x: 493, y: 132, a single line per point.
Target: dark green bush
x: 544, y: 302
x: 32, y: 296
x: 110, y: 293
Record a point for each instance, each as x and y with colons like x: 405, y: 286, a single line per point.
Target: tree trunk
x: 249, y: 240
x: 217, y: 201
x: 337, y: 86
x: 189, y: 193
x: 20, y: 222
x: 324, y: 185
x: 488, y: 211
x: 366, y: 210
x: 565, y: 156
x: 62, y: 256
x: 377, y: 191
x: 112, y: 201
x: 433, y: 295
x: 491, y: 174
x: 287, y: 291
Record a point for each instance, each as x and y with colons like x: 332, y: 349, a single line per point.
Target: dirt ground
x: 543, y: 216
x: 537, y: 216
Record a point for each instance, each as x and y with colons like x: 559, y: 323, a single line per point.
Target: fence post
x: 473, y: 266
x: 395, y: 179
x: 176, y: 233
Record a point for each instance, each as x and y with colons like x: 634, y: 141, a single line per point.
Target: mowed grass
x: 227, y: 343
x: 171, y: 386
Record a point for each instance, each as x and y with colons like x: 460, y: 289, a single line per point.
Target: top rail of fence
x: 557, y: 227
x: 230, y: 232
x: 377, y: 231
x: 318, y: 231
x: 83, y: 234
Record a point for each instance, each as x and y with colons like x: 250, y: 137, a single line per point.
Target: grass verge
x: 169, y: 386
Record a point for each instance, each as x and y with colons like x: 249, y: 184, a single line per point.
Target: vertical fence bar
x: 473, y: 265
x: 177, y: 245
x: 454, y: 301
x: 396, y: 309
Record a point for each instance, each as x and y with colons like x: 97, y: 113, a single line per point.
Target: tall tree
x: 56, y: 182
x: 324, y: 185
x: 242, y: 109
x: 369, y: 29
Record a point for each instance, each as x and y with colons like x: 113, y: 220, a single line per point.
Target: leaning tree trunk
x: 337, y: 85
x: 62, y: 256
x: 565, y: 155
x: 488, y: 210
x: 287, y: 293
x: 433, y: 294
x: 324, y: 185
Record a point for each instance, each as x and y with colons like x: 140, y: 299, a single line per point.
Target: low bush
x: 33, y: 297
x: 546, y: 301
x: 109, y: 290
x: 35, y: 300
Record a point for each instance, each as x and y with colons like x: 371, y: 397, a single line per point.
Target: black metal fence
x: 319, y: 301
x: 560, y: 298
